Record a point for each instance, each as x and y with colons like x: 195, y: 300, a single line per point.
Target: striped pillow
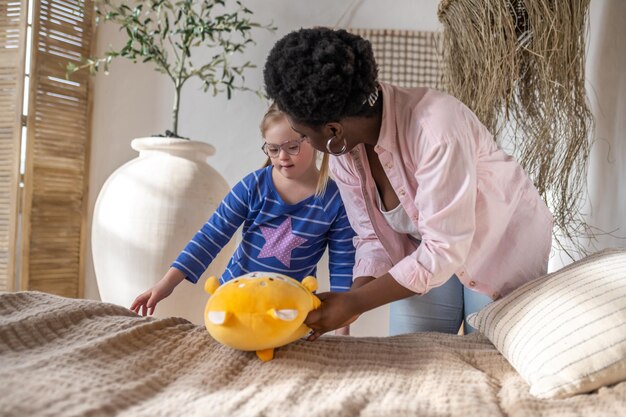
x: 565, y: 333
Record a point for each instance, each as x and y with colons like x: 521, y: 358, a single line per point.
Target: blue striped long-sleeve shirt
x: 277, y: 237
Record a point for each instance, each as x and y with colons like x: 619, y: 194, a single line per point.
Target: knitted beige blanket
x: 65, y: 357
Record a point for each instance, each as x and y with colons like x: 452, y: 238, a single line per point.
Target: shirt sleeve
x: 371, y: 259
x: 340, y: 249
x: 446, y: 201
x: 214, y: 234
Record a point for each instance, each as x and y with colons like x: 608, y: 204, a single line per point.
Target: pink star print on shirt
x: 280, y: 242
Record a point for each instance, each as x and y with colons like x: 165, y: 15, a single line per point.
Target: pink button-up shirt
x: 479, y: 215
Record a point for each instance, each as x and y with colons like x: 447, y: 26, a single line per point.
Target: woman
x: 439, y: 210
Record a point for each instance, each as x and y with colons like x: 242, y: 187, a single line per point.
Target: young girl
x: 290, y: 211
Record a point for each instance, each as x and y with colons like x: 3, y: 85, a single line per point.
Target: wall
x: 134, y: 101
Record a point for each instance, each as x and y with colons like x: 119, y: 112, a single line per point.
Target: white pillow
x: 565, y: 333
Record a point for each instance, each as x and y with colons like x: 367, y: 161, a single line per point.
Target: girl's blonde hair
x: 272, y: 115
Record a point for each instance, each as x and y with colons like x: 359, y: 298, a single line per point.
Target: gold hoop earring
x: 341, y: 151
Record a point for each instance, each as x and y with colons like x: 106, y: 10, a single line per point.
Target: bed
x: 69, y: 357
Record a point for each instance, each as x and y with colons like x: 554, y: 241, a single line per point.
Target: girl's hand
x: 147, y: 301
x: 337, y: 310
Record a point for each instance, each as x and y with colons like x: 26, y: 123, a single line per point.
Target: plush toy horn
x: 218, y: 317
x: 283, y: 314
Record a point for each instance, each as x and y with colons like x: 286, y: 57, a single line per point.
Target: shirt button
x: 495, y: 295
x: 462, y: 273
x: 416, y: 217
x: 377, y: 148
x: 472, y: 283
x: 389, y: 165
x: 401, y: 192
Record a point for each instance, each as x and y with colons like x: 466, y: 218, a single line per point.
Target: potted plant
x: 151, y: 206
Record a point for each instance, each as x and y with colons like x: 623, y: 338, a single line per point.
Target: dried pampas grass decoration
x: 520, y: 66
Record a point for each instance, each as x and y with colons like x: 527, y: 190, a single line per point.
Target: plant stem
x: 176, y: 108
x: 178, y: 84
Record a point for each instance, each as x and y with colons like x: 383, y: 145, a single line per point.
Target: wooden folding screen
x: 12, y: 58
x: 53, y: 201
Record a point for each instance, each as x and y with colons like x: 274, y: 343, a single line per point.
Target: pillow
x: 565, y: 333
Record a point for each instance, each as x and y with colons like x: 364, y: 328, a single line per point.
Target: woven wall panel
x: 58, y: 151
x: 406, y: 58
x: 13, y: 14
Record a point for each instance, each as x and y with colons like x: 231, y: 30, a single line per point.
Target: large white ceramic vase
x: 145, y: 214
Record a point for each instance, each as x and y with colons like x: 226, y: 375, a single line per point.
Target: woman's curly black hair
x: 321, y: 75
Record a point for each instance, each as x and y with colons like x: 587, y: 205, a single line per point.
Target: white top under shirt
x: 398, y: 219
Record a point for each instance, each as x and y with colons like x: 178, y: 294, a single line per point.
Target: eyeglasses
x: 272, y: 150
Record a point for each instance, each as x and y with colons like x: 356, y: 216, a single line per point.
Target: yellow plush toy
x: 259, y: 311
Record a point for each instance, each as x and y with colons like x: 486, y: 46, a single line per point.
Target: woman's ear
x: 335, y: 128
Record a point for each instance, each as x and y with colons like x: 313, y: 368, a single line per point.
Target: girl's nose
x: 283, y: 154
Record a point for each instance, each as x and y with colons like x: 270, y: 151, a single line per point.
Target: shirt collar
x: 388, y: 129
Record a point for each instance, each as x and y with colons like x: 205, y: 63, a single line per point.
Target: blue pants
x: 441, y: 309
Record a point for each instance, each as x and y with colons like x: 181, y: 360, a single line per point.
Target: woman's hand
x: 343, y: 331
x: 321, y: 323
x: 337, y: 310
x: 340, y: 309
x: 147, y: 301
